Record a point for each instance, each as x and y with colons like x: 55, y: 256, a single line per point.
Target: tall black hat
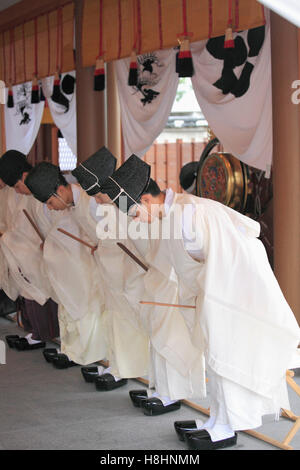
x: 43, y: 180
x: 12, y: 166
x: 188, y: 174
x: 130, y: 180
x: 95, y: 170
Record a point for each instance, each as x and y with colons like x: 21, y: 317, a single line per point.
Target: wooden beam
x: 25, y: 11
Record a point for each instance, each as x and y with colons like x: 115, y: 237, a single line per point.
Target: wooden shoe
x: 181, y: 427
x: 201, y: 440
x: 107, y: 382
x: 137, y: 396
x: 154, y: 406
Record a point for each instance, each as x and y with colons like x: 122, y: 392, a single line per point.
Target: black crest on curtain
x: 147, y: 77
x: 235, y: 57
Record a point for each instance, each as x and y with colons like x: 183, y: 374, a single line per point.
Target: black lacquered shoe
x: 49, y: 354
x: 154, y: 406
x: 201, y: 440
x: 107, y: 382
x: 11, y: 340
x: 137, y: 396
x: 181, y: 427
x: 23, y: 345
x: 90, y: 373
x: 61, y: 361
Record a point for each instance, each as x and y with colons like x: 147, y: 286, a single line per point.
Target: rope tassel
x: 56, y: 88
x: 229, y: 41
x: 184, y: 62
x: 133, y: 70
x: 35, y: 92
x: 99, y: 75
x: 10, y: 98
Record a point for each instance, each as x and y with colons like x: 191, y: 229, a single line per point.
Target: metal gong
x: 223, y: 178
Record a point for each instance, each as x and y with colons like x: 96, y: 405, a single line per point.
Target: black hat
x: 43, y: 180
x: 188, y: 174
x: 95, y: 170
x: 12, y: 166
x: 68, y: 84
x: 130, y: 180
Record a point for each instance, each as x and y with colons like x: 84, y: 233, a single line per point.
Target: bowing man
x: 71, y: 269
x: 243, y: 325
x: 120, y: 277
x: 20, y: 246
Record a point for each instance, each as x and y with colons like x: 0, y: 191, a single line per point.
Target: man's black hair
x: 152, y: 188
x: 62, y: 180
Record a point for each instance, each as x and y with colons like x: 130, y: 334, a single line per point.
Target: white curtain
x: 241, y: 118
x: 63, y: 116
x: 146, y: 107
x: 22, y: 122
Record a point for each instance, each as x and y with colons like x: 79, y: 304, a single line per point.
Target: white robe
x: 242, y: 322
x: 73, y: 275
x: 122, y: 281
x: 20, y: 245
x: 7, y: 199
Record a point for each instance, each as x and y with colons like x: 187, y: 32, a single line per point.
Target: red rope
x: 134, y: 25
x: 139, y: 25
x: 35, y: 48
x: 230, y: 13
x: 237, y: 18
x: 263, y: 12
x: 4, y: 57
x: 61, y: 38
x: 184, y: 18
x: 24, y: 51
x: 49, y: 43
x: 57, y: 39
x: 10, y: 57
x: 160, y: 26
x: 120, y: 28
x: 14, y: 55
x: 185, y: 32
x: 100, y: 29
x: 210, y: 18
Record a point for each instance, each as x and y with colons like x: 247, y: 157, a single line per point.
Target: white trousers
x: 234, y: 408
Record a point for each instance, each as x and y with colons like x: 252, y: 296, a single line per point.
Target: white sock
x: 165, y: 400
x: 100, y: 370
x: 108, y: 371
x: 220, y: 431
x: 199, y: 423
x: 30, y: 340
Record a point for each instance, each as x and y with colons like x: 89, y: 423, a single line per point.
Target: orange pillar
x: 91, y: 105
x: 286, y: 159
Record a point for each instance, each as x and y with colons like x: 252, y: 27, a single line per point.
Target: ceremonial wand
x: 34, y: 225
x: 160, y: 304
x: 129, y: 253
x: 93, y: 248
x: 139, y: 262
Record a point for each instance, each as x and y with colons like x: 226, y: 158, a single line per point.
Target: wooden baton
x: 160, y: 304
x: 129, y: 253
x: 34, y: 225
x: 93, y: 248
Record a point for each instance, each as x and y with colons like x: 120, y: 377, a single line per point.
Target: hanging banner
x: 233, y: 89
x: 63, y: 109
x: 145, y: 108
x: 22, y: 122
